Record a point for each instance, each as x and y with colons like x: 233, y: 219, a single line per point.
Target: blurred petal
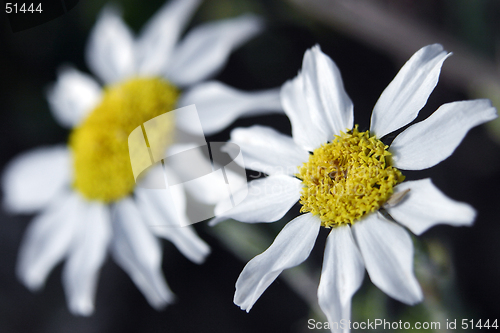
x: 341, y: 276
x: 73, y: 96
x: 208, y: 189
x: 265, y: 149
x: 164, y: 220
x: 211, y: 190
x: 329, y: 106
x: 294, y: 100
x: 48, y: 239
x: 387, y: 251
x: 219, y: 105
x: 138, y: 252
x: 425, y: 206
x: 86, y: 257
x: 268, y: 200
x: 160, y: 34
x: 403, y: 98
x: 206, y: 48
x: 31, y: 180
x: 434, y: 139
x: 290, y: 248
x: 110, y: 49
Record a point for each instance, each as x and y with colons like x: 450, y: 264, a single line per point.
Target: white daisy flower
x: 350, y: 181
x: 84, y: 190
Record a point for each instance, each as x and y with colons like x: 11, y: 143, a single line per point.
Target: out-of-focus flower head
x: 85, y: 192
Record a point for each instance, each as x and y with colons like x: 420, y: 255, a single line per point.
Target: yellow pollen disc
x: 347, y: 178
x: 102, y: 169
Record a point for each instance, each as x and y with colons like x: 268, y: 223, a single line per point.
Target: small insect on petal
x: 396, y: 198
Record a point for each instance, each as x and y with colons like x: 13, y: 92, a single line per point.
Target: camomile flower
x: 350, y: 182
x: 85, y: 191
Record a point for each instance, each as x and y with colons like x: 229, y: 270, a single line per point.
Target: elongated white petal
x: 73, y: 96
x: 387, y: 251
x: 209, y: 188
x: 434, y: 139
x: 164, y: 218
x: 291, y: 247
x: 403, y: 98
x: 48, y: 239
x: 137, y: 251
x: 86, y: 256
x: 31, y: 180
x: 294, y: 101
x: 328, y: 104
x: 110, y: 49
x: 268, y: 200
x: 160, y: 34
x: 425, y: 206
x: 265, y: 149
x: 205, y: 189
x: 341, y: 276
x: 206, y: 48
x: 212, y: 189
x: 219, y: 105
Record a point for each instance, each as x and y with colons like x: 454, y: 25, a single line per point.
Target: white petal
x: 290, y: 248
x: 190, y: 168
x: 164, y: 219
x: 209, y: 187
x: 160, y: 34
x: 434, y: 139
x: 206, y: 48
x: 329, y: 106
x: 86, y: 257
x: 403, y: 98
x: 48, y: 239
x: 265, y: 149
x: 425, y: 206
x: 176, y: 194
x: 213, y: 188
x: 138, y: 252
x: 110, y: 49
x: 387, y: 251
x: 294, y: 101
x: 30, y: 181
x: 219, y: 105
x: 341, y: 276
x: 268, y: 200
x: 73, y: 96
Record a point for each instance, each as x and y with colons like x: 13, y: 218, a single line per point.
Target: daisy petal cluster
x: 350, y: 182
x: 85, y: 192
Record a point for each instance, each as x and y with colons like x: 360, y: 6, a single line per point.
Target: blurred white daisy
x: 349, y: 181
x: 84, y: 190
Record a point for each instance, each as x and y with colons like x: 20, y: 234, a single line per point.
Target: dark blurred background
x: 459, y: 268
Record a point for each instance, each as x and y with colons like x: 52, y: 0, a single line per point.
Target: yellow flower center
x: 102, y: 169
x: 347, y: 178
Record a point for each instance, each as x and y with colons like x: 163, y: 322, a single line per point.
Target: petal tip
x: 84, y: 308
x: 216, y: 220
x: 31, y: 281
